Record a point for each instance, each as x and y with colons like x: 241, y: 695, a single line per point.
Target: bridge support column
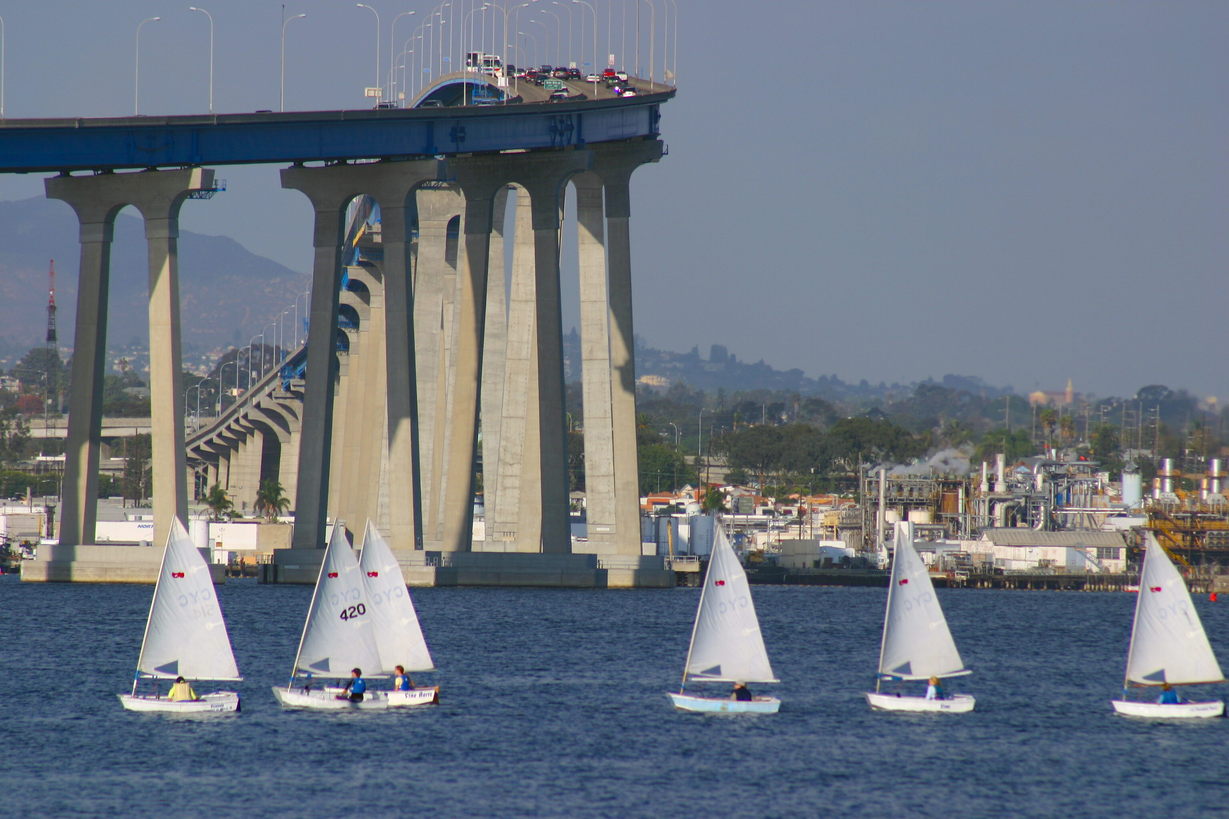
x: 495, y: 348
x: 543, y: 176
x: 158, y: 195
x: 514, y: 511
x: 330, y: 188
x: 433, y: 275
x: 608, y: 350
x: 329, y: 195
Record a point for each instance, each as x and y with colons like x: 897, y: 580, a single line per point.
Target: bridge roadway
x: 117, y: 143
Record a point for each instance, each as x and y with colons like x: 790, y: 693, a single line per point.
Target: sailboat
x: 917, y: 644
x: 185, y: 635
x: 340, y: 634
x: 726, y: 644
x: 1168, y: 643
x: 398, y: 633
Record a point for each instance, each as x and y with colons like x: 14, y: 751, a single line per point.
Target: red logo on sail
x: 1154, y: 588
x: 904, y: 580
x: 373, y: 574
x: 719, y: 583
x: 176, y: 574
x: 332, y: 574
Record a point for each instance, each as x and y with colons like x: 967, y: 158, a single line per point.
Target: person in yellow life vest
x: 181, y: 691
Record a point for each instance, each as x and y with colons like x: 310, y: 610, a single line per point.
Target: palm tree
x: 271, y: 500
x: 219, y: 504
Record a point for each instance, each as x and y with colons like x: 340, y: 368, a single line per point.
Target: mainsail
x: 916, y: 641
x: 726, y: 644
x: 397, y: 632
x: 1168, y: 643
x: 185, y: 635
x: 338, y: 633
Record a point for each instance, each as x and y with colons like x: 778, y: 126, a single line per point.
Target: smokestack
x: 985, y: 477
x: 1000, y: 472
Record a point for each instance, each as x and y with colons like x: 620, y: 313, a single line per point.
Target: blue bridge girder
x: 106, y: 144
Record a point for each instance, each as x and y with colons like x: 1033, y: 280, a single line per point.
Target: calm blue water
x: 554, y: 705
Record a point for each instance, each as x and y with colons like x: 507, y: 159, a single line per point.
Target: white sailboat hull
x: 217, y: 702
x: 953, y: 704
x: 326, y: 699
x: 724, y: 705
x: 1181, y: 710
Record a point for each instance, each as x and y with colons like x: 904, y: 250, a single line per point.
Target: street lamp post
x: 376, y: 83
x: 652, y: 38
x: 582, y: 26
x: 136, y: 82
x: 558, y: 33
x: 392, y: 31
x: 221, y: 373
x: 569, y: 10
x: 286, y: 22
x: 210, y: 16
x: 534, y: 41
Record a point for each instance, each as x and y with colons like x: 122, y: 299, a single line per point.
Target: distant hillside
x: 226, y: 292
x: 723, y: 371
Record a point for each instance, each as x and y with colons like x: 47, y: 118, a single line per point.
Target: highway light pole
x: 282, y: 97
x: 136, y: 82
x: 210, y: 16
x: 392, y: 76
x: 376, y: 82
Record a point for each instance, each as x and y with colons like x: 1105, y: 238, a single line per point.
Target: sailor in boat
x: 355, y: 688
x: 1168, y: 695
x: 402, y: 681
x: 741, y: 692
x: 181, y: 691
x: 934, y: 689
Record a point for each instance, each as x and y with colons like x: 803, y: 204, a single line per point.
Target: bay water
x: 553, y: 704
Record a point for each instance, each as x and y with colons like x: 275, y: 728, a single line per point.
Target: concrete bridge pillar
x: 329, y: 195
x: 543, y: 176
x: 495, y: 347
x: 514, y: 511
x: 330, y: 188
x: 158, y: 195
x: 437, y: 206
x: 607, y: 347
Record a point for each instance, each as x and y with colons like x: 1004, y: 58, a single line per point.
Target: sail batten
x: 398, y: 634
x: 1168, y: 642
x: 726, y: 643
x: 917, y: 643
x: 185, y: 634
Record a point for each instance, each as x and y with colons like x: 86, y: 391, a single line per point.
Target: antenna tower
x: 51, y: 335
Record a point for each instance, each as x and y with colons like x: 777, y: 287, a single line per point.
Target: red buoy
x: 1212, y: 597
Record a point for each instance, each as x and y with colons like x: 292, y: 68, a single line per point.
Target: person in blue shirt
x: 1168, y: 695
x: 934, y: 689
x: 741, y: 692
x: 402, y: 681
x: 356, y: 686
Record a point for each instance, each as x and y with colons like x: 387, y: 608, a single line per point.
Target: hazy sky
x: 1026, y: 191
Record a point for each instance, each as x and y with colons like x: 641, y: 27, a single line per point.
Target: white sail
x: 338, y: 633
x: 916, y: 641
x: 1168, y: 643
x: 726, y: 644
x: 185, y: 635
x: 397, y: 632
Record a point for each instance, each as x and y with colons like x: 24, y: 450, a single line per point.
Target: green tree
x: 271, y: 499
x: 138, y: 474
x: 220, y: 506
x: 712, y: 501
